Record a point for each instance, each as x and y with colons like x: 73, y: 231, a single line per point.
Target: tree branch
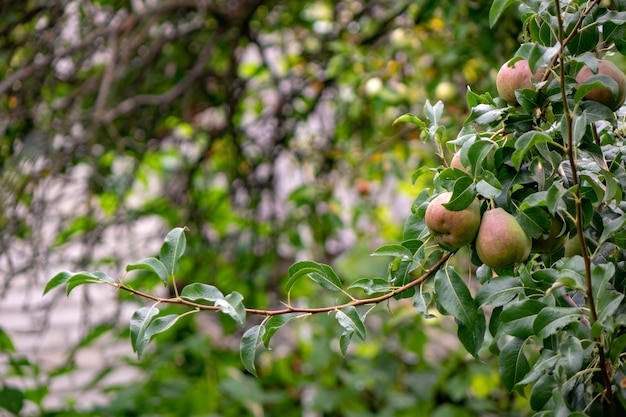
x: 291, y: 309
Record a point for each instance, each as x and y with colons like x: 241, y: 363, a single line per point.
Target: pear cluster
x: 499, y: 239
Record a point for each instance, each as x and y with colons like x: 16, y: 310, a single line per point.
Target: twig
x: 291, y: 309
x: 604, y: 364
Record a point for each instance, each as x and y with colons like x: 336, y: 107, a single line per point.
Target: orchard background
x: 267, y: 131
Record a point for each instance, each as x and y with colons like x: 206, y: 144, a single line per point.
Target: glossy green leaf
x: 351, y: 321
x: 201, y: 292
x: 274, y: 324
x: 250, y: 342
x: 525, y: 143
x: 608, y: 300
x: 499, y: 291
x: 139, y: 322
x: 453, y: 297
x: 393, y: 250
x: 319, y: 273
x: 156, y: 326
x: 612, y: 226
x: 512, y: 363
x: 463, y: 194
x: 81, y: 278
x: 535, y: 221
x: 571, y: 351
x: 172, y: 249
x: 421, y: 301
x: 542, y: 391
x: 593, y: 82
x: 232, y: 305
x: 518, y: 318
x: 552, y: 319
x: 59, y: 279
x: 472, y: 335
x: 150, y: 264
x: 489, y: 186
x: 371, y: 285
x: 344, y: 341
x: 544, y: 365
x: 497, y: 8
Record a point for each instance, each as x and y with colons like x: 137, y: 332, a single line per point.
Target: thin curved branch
x: 291, y: 309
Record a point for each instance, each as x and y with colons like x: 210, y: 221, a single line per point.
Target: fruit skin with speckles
x: 605, y: 95
x: 452, y: 229
x: 501, y: 241
x: 511, y: 78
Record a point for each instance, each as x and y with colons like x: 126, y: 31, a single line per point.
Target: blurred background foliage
x: 266, y: 129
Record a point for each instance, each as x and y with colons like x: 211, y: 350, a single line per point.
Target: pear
x: 501, y: 241
x: 511, y: 78
x: 605, y: 95
x: 452, y: 229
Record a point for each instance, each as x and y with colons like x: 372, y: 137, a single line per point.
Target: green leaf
x: 550, y: 320
x: 172, y: 249
x: 463, y: 194
x: 248, y: 346
x: 453, y: 297
x: 433, y: 113
x: 421, y: 301
x: 535, y: 221
x: 156, y: 326
x: 608, y: 300
x: 150, y: 264
x: 518, y: 318
x: 81, y: 278
x: 497, y: 8
x: 232, y: 305
x: 74, y: 279
x: 274, y: 324
x: 6, y: 344
x: 371, y: 285
x: 512, y: 363
x: 571, y: 351
x: 579, y: 127
x: 489, y: 186
x: 612, y: 226
x: 198, y: 291
x: 546, y: 362
x: 393, y: 250
x: 138, y: 324
x: 344, y: 341
x: 59, y: 279
x: 411, y: 118
x: 525, y: 143
x: 593, y: 82
x: 472, y: 336
x: 11, y: 399
x: 351, y: 321
x: 319, y: 273
x: 499, y: 291
x: 541, y: 392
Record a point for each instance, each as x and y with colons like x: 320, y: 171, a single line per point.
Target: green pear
x: 501, y: 241
x: 452, y: 229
